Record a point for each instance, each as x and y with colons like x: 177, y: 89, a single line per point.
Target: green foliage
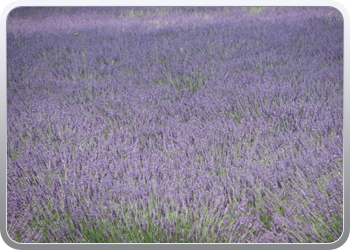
x: 255, y: 10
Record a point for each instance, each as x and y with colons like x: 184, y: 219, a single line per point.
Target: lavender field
x: 175, y: 125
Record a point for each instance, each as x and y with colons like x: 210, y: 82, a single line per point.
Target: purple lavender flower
x: 209, y: 123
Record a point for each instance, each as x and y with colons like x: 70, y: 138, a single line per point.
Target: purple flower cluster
x: 175, y: 124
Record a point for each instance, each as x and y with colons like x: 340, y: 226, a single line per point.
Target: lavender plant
x: 177, y: 125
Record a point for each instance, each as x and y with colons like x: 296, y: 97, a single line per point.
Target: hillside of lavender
x: 175, y: 125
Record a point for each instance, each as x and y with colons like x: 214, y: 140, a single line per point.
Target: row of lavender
x: 175, y: 124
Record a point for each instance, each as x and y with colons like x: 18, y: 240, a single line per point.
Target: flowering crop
x: 175, y: 125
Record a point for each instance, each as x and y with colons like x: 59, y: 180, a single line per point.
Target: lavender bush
x: 175, y: 125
